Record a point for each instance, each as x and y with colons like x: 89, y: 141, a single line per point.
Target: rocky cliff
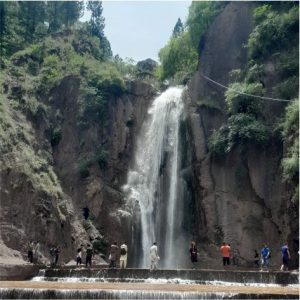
x: 42, y: 191
x: 240, y: 197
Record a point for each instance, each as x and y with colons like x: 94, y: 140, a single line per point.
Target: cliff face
x: 240, y: 198
x: 52, y: 166
x: 42, y: 193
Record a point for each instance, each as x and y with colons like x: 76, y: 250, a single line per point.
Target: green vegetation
x: 272, y: 52
x: 239, y: 103
x: 276, y: 28
x: 242, y: 130
x: 290, y: 134
x: 55, y: 136
x: 40, y: 49
x: 179, y: 58
x: 83, y: 168
x: 100, y: 157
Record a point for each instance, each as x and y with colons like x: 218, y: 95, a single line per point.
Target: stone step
x: 200, y: 276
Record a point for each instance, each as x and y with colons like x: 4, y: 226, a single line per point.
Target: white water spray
x: 153, y: 181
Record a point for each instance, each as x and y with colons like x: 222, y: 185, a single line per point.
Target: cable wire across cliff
x: 242, y: 93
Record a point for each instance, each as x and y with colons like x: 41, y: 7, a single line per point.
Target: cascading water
x: 153, y: 180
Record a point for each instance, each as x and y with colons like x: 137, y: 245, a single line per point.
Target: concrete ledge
x: 196, y: 275
x: 92, y: 290
x: 19, y: 272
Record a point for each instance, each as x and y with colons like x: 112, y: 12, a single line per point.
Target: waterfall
x: 152, y: 183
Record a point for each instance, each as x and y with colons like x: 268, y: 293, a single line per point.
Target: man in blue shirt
x: 285, y: 254
x: 265, y: 255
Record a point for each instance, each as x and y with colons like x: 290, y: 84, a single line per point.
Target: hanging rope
x: 242, y: 93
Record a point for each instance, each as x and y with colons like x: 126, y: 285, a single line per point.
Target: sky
x: 139, y: 29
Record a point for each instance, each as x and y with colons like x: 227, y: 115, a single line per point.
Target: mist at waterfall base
x: 155, y: 190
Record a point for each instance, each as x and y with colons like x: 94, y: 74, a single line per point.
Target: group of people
x: 115, y: 254
x: 54, y: 255
x: 33, y: 249
x: 266, y: 256
x: 228, y: 255
x: 88, y: 256
x: 262, y: 260
x: 122, y: 254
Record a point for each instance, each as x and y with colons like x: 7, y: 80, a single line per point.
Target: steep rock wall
x: 240, y: 198
x: 41, y: 191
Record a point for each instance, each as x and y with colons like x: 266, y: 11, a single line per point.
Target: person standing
x: 123, y: 257
x: 225, y: 251
x: 154, y: 258
x: 89, y: 254
x: 113, y: 255
x: 30, y: 252
x: 235, y: 256
x: 78, y: 257
x: 36, y: 252
x: 265, y: 255
x: 56, y: 255
x: 285, y: 254
x: 52, y: 256
x: 193, y: 252
x: 256, y: 258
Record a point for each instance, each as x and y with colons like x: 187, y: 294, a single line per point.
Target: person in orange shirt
x: 225, y: 251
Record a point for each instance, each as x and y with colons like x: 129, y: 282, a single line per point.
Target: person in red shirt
x: 225, y: 251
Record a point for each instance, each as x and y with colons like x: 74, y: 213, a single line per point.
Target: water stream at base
x: 152, y: 183
x: 105, y: 294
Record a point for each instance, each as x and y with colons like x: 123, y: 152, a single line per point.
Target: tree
x: 178, y: 56
x: 2, y: 26
x: 31, y: 13
x: 54, y: 15
x: 71, y: 12
x: 63, y: 13
x: 12, y: 32
x: 96, y: 23
x: 178, y: 28
x: 201, y: 14
x: 96, y: 26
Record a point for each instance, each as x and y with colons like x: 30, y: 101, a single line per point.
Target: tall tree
x: 31, y: 13
x: 2, y: 27
x: 96, y: 26
x: 12, y: 32
x: 96, y: 23
x: 71, y: 12
x: 178, y: 28
x: 54, y: 15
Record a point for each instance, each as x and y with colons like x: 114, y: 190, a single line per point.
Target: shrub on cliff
x: 275, y: 29
x: 101, y: 157
x: 56, y: 136
x: 290, y: 134
x: 83, y: 168
x: 242, y: 129
x: 241, y: 103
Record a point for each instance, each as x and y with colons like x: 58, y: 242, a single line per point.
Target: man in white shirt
x: 123, y: 257
x: 154, y: 258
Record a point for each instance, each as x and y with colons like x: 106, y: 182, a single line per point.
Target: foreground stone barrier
x: 200, y: 276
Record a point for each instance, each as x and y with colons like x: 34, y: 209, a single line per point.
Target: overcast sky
x: 138, y: 29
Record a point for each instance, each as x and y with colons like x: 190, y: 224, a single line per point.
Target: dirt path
x: 284, y: 290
